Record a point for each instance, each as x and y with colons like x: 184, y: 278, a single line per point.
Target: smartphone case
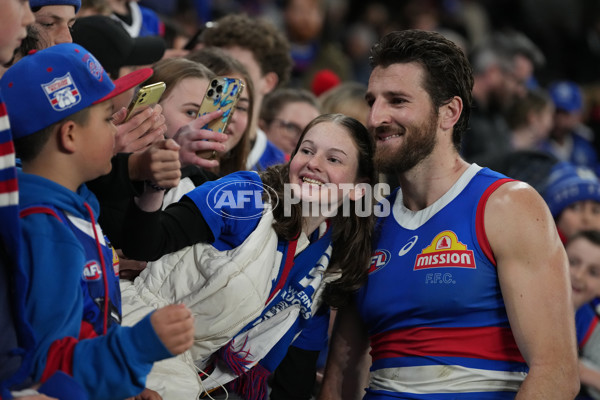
x: 223, y: 93
x: 146, y: 96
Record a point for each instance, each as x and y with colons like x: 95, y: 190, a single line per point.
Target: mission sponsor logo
x: 445, y: 251
x: 115, y: 261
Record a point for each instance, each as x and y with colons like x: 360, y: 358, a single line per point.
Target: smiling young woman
x: 304, y: 262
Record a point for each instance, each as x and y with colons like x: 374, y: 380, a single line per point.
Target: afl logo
x: 226, y: 197
x: 379, y: 260
x: 92, y: 271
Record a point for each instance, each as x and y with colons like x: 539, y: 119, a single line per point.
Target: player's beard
x: 417, y: 144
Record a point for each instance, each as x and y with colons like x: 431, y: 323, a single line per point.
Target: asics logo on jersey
x: 379, y: 259
x: 409, y: 245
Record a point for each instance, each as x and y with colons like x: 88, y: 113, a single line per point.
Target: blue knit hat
x: 42, y: 3
x: 566, y: 96
x: 47, y: 86
x: 568, y: 184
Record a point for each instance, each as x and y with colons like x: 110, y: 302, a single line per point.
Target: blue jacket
x: 16, y: 336
x: 53, y: 259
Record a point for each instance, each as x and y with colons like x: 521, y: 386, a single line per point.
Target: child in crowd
x: 69, y: 142
x: 16, y: 337
x: 53, y: 20
x: 52, y: 25
x: 573, y: 196
x: 530, y: 119
x: 284, y: 115
x: 583, y: 250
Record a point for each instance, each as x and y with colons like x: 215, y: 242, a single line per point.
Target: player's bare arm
x: 533, y: 274
x: 348, y: 361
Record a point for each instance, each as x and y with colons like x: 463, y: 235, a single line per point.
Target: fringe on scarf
x: 251, y: 383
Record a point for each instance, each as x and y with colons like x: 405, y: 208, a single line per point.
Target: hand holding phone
x: 147, y: 96
x: 223, y: 94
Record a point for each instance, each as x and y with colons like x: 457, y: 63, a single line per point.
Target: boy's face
x: 581, y: 215
x: 584, y: 263
x: 54, y: 23
x: 14, y: 18
x: 97, y: 139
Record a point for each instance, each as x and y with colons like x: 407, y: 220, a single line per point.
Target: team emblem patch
x: 94, y: 67
x: 379, y: 259
x: 62, y: 93
x: 92, y: 271
x: 446, y: 251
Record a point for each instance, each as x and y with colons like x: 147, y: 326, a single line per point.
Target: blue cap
x: 566, y: 96
x: 568, y: 184
x: 42, y: 3
x: 47, y: 86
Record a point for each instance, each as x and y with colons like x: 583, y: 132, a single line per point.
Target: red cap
x: 128, y: 81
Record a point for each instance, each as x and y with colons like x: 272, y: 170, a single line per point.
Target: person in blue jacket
x: 16, y: 337
x: 67, y: 141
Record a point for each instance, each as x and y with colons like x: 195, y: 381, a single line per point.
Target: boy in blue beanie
x: 70, y: 141
x: 53, y: 20
x: 573, y: 196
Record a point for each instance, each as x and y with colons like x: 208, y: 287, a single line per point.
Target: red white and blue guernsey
x: 437, y: 322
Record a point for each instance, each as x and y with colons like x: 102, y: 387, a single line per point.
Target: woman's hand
x: 140, y: 131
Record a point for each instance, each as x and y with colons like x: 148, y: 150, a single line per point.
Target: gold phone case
x: 147, y: 96
x: 223, y: 93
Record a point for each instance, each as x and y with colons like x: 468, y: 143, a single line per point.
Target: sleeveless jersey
x: 432, y: 303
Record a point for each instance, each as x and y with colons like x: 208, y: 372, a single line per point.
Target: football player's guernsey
x: 432, y: 303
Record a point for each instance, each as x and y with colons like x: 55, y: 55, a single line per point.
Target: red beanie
x: 324, y: 80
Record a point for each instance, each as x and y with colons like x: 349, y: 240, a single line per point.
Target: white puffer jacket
x: 225, y: 290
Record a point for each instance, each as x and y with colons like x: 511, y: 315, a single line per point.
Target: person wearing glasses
x: 284, y: 115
